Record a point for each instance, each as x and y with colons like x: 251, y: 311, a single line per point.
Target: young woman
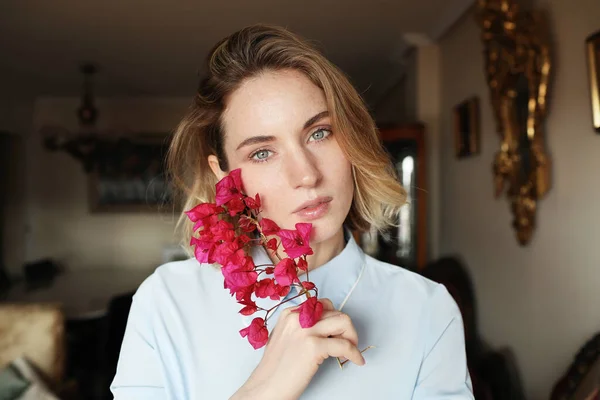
x: 275, y: 108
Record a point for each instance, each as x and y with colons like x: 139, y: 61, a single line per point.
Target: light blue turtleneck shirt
x: 182, y: 339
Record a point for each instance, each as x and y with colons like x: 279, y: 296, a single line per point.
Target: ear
x: 213, y: 163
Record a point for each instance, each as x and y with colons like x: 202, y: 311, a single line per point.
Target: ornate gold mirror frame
x: 517, y: 66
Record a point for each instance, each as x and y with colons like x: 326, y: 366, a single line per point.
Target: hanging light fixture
x: 87, y: 113
x: 125, y: 168
x: 83, y: 145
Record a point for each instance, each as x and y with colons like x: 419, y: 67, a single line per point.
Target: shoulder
x: 407, y: 288
x: 177, y: 279
x: 397, y: 279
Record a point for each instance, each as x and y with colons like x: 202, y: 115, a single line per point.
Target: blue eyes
x: 263, y: 155
x: 320, y: 134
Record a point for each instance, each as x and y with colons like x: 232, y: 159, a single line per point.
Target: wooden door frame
x: 415, y: 132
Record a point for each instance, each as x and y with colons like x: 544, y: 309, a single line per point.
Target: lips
x: 313, y: 204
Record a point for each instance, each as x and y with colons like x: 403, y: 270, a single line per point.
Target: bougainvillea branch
x: 218, y: 240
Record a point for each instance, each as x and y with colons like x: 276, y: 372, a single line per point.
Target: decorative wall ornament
x: 517, y: 66
x: 592, y: 45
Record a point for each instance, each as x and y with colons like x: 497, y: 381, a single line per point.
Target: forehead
x: 272, y: 103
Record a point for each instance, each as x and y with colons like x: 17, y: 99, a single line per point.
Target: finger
x: 339, y: 326
x: 336, y: 347
x: 330, y: 314
x: 327, y: 307
x: 327, y: 304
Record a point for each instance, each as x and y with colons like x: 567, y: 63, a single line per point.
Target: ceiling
x: 156, y: 48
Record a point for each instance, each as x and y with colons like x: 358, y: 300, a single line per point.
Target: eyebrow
x: 265, y: 139
x: 315, y: 119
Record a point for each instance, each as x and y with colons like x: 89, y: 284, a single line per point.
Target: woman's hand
x: 293, y: 354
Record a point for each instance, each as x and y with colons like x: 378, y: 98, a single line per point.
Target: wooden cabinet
x: 406, y: 245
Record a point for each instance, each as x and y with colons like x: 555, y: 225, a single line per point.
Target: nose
x: 303, y: 170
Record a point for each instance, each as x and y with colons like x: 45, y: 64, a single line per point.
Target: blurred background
x: 90, y: 92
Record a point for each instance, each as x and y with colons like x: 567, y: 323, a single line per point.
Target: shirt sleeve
x: 139, y: 375
x: 444, y: 374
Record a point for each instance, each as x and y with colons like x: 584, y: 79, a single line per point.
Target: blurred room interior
x: 484, y: 107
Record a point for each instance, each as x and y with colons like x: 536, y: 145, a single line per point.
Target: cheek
x: 269, y: 187
x: 348, y: 182
x: 339, y: 172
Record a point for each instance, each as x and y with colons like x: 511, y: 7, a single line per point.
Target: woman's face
x: 278, y: 131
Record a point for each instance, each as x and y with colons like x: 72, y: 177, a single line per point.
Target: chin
x: 324, y: 229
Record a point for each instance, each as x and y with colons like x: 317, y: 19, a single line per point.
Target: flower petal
x: 310, y: 312
x: 257, y: 333
x: 285, y: 272
x: 272, y: 244
x: 268, y: 227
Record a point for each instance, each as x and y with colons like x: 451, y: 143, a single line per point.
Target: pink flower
x: 310, y: 312
x: 223, y: 230
x: 282, y: 291
x: 285, y: 272
x: 202, y: 211
x: 250, y: 307
x: 236, y: 174
x: 235, y: 206
x: 243, y: 240
x: 253, y: 204
x: 308, y: 285
x: 229, y: 188
x: 203, y: 250
x: 223, y: 251
x: 257, y: 333
x: 272, y: 244
x: 268, y: 227
x: 239, y: 272
x: 246, y: 224
x: 296, y: 242
x: 266, y: 288
x: 244, y: 295
x: 302, y: 264
x: 206, y: 222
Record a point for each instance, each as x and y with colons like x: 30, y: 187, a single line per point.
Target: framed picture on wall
x: 593, y: 57
x: 130, y: 175
x: 466, y: 128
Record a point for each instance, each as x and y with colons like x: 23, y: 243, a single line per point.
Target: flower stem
x: 264, y: 265
x: 285, y: 301
x: 341, y: 364
x: 263, y: 238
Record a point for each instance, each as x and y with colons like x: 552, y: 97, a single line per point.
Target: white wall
x: 542, y: 300
x: 58, y: 223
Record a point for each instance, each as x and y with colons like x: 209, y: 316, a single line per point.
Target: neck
x: 326, y: 250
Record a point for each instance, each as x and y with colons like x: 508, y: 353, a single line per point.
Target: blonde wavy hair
x: 248, y: 52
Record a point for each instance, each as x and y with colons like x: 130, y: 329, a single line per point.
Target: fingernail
x: 363, y: 361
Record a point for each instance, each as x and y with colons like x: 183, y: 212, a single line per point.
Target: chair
x: 35, y: 332
x: 118, y: 313
x: 582, y: 380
